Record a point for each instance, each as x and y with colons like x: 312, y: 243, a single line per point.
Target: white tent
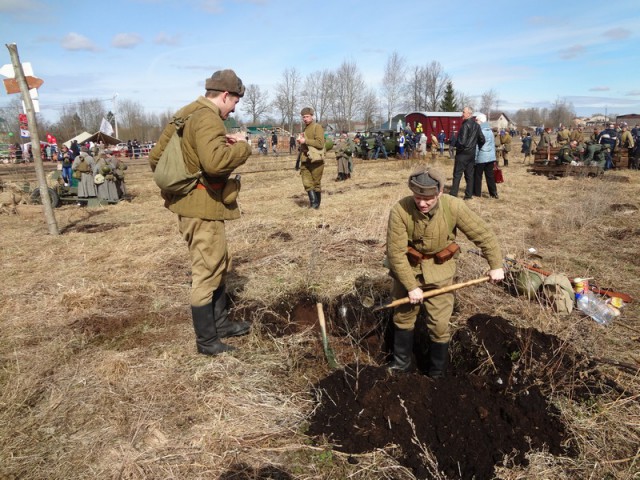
x: 93, y: 137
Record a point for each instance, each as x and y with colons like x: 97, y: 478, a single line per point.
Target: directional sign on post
x: 33, y: 82
x: 11, y: 84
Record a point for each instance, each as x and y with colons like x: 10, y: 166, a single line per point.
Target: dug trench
x: 493, y: 407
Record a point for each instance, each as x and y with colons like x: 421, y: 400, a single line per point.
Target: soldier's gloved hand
x: 496, y: 275
x: 415, y: 295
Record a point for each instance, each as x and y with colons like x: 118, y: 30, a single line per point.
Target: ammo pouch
x: 444, y: 255
x: 77, y: 174
x: 230, y: 190
x: 447, y: 253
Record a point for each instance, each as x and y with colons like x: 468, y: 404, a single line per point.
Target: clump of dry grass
x: 98, y: 370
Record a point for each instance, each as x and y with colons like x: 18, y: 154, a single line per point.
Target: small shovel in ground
x: 328, y: 352
x: 435, y: 292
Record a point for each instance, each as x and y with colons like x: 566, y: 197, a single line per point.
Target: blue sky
x: 159, y: 52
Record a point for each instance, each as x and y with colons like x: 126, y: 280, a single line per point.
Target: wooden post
x: 35, y: 140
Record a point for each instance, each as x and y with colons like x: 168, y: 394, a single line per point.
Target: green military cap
x: 307, y: 111
x: 426, y: 181
x: 225, y: 81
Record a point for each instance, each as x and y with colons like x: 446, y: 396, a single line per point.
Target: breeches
x: 209, y: 260
x: 438, y: 308
x: 311, y: 174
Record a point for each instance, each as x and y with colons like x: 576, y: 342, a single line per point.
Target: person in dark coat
x: 469, y: 138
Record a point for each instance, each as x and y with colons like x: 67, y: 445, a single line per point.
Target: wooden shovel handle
x: 439, y: 291
x: 322, y: 322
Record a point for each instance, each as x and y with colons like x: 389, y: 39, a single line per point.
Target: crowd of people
x: 426, y: 222
x: 598, y: 148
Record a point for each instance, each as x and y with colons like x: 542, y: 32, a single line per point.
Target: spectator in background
x: 401, y: 144
x: 66, y: 158
x: 441, y: 138
x: 274, y: 143
x: 105, y: 188
x: 292, y: 144
x: 505, y: 143
x: 526, y: 147
x: 609, y: 137
x: 452, y: 144
x: 485, y: 160
x: 469, y: 138
x: 434, y: 146
x: 379, y: 146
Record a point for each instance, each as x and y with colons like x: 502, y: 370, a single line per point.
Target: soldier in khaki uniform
x: 344, y: 149
x: 563, y: 136
x: 577, y: 135
x: 311, y: 143
x: 505, y: 141
x: 427, y: 221
x: 434, y: 146
x: 626, y: 141
x: 207, y: 146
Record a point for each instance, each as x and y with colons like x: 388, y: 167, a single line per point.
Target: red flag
x: 53, y: 140
x: 22, y: 120
x: 49, y: 138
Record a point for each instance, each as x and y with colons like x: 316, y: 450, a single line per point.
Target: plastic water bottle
x: 596, y: 308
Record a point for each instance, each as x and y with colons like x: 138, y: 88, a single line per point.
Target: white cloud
x: 165, y: 39
x: 75, y: 41
x: 126, y: 40
x: 599, y: 89
x: 617, y: 33
x: 633, y: 93
x: 571, y: 52
x: 17, y: 6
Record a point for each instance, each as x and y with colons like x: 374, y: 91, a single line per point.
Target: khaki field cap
x: 307, y: 111
x: 426, y: 181
x: 225, y: 81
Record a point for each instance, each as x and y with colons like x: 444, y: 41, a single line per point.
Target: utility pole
x: 115, y: 115
x: 35, y: 139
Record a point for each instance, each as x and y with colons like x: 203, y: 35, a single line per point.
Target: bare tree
x: 393, y: 83
x: 255, y: 102
x: 286, y: 100
x: 132, y: 121
x: 489, y: 102
x: 415, y: 98
x: 370, y: 110
x: 317, y: 92
x: 435, y: 83
x: 91, y: 113
x: 464, y: 100
x: 349, y: 88
x: 562, y: 113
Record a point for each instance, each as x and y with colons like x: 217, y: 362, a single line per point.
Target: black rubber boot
x: 224, y: 326
x: 207, y: 339
x: 506, y: 163
x: 402, y: 351
x: 438, y: 359
x: 312, y: 198
x: 318, y: 199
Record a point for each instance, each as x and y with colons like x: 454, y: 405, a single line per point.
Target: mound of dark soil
x: 491, y: 409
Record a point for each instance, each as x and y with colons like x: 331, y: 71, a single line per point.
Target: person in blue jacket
x: 485, y: 160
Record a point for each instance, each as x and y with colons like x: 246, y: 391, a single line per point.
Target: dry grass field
x: 98, y: 372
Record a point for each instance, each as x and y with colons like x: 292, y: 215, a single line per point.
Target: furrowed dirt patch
x: 492, y: 408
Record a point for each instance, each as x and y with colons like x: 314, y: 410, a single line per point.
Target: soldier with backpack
x: 210, y: 154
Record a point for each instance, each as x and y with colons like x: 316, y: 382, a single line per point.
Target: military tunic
x: 563, y: 137
x: 430, y: 233
x: 201, y: 212
x: 505, y: 141
x: 311, y: 170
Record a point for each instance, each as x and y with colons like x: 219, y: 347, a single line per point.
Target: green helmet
x: 528, y: 283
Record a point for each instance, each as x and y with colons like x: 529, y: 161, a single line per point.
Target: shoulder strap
x: 448, y: 217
